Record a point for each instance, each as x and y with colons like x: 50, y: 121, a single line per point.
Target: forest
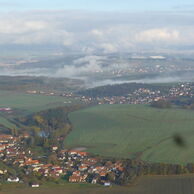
x: 120, y: 89
x: 48, y: 127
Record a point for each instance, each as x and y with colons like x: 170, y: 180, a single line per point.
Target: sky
x: 105, y: 26
x: 97, y: 5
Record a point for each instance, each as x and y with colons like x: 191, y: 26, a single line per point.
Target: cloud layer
x: 91, y: 32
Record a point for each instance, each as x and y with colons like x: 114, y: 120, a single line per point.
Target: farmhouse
x: 78, y: 153
x: 13, y: 180
x: 35, y: 185
x: 54, y: 148
x: 107, y: 184
x: 83, y: 167
x: 2, y: 147
x: 3, y: 172
x: 74, y: 179
x: 30, y: 162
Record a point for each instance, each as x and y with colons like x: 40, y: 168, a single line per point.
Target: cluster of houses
x: 89, y: 169
x: 139, y: 96
x: 144, y: 95
x: 10, y: 147
x: 40, y: 92
x: 12, y: 152
x: 182, y: 90
x: 76, y: 166
x: 6, y: 110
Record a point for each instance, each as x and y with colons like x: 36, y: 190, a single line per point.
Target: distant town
x: 138, y: 96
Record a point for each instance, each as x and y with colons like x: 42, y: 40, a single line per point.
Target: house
x: 36, y: 169
x: 102, y: 174
x: 2, y: 147
x: 46, y: 165
x: 78, y: 153
x: 82, y: 154
x: 13, y: 180
x: 31, y: 92
x: 93, y: 160
x: 6, y: 137
x: 19, y: 161
x: 83, y: 178
x: 58, y: 170
x: 1, y: 153
x: 11, y: 151
x: 107, y: 184
x: 54, y: 148
x: 26, y: 135
x: 94, y: 180
x: 5, y: 109
x: 74, y: 179
x: 35, y: 185
x: 3, y: 172
x: 30, y: 162
x: 83, y: 167
x: 76, y: 173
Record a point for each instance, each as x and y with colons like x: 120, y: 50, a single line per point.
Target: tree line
x: 120, y: 89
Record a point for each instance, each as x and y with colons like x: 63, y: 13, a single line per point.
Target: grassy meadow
x: 146, y: 185
x: 27, y: 103
x: 5, y: 122
x: 133, y: 131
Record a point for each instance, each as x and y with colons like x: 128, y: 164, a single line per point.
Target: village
x: 146, y: 96
x: 74, y: 166
x: 141, y: 95
x: 138, y: 96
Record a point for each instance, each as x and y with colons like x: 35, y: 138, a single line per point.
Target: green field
x: 146, y: 185
x: 131, y: 130
x: 27, y: 103
x: 5, y: 122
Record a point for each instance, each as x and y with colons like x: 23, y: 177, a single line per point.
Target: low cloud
x: 20, y: 26
x: 159, y: 79
x: 97, y: 31
x: 152, y: 35
x: 82, y: 67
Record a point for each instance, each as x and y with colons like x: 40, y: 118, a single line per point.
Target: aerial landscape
x: 96, y: 97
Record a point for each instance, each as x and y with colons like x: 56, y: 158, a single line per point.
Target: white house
x: 13, y: 180
x: 107, y: 184
x: 35, y: 185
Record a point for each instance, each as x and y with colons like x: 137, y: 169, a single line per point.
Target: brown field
x: 146, y: 185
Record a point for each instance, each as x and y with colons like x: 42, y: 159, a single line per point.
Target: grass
x: 27, y: 103
x: 5, y: 122
x: 146, y: 185
x: 127, y: 130
x: 164, y: 185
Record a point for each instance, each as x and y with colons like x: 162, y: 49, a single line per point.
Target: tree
x: 111, y: 176
x: 52, y: 158
x: 161, y: 104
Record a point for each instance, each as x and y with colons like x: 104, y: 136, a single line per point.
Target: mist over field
x: 98, y: 70
x: 98, y: 46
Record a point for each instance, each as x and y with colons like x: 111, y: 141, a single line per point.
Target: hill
x: 120, y: 89
x: 23, y: 83
x: 134, y: 131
